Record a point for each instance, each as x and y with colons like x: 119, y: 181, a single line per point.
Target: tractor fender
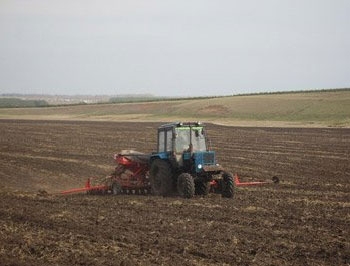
x: 160, y: 155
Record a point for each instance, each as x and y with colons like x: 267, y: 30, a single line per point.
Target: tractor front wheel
x: 227, y: 185
x: 202, y: 187
x: 161, y: 178
x: 185, y: 185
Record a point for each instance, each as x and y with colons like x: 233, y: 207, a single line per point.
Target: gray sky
x: 173, y: 48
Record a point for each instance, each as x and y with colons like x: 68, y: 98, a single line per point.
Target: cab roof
x: 181, y: 124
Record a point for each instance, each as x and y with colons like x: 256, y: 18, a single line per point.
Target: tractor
x: 184, y: 162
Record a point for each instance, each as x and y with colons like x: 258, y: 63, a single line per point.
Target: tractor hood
x: 206, y: 161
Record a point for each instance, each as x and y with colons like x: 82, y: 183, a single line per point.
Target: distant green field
x: 322, y: 108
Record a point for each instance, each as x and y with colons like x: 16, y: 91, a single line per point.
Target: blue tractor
x: 184, y: 163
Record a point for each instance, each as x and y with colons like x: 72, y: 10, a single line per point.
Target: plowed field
x: 304, y: 220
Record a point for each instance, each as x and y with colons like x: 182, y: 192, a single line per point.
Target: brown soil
x: 302, y: 221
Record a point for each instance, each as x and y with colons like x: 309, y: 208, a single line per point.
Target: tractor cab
x: 185, y: 146
x: 189, y: 139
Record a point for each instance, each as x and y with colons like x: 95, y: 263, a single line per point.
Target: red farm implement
x: 130, y: 176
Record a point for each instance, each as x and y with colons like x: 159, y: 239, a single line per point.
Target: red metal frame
x: 238, y: 183
x: 87, y: 187
x: 214, y: 184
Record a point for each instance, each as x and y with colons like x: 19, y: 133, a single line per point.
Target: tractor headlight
x: 199, y: 166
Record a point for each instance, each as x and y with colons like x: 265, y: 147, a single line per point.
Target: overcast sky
x: 173, y: 48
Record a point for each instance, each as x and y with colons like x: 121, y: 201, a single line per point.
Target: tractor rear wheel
x: 227, y: 185
x: 185, y: 185
x: 161, y: 178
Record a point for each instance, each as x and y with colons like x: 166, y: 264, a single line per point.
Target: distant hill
x: 79, y: 99
x: 311, y: 108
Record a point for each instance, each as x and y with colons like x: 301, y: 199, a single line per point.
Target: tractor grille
x: 208, y: 158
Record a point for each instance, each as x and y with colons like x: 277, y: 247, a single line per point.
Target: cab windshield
x: 185, y: 136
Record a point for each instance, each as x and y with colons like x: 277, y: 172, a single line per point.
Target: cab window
x: 161, y: 137
x: 169, y: 140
